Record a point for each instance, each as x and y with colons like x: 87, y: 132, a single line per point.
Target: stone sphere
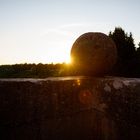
x: 93, y: 53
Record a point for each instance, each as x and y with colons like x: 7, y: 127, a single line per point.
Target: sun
x: 68, y: 60
x: 57, y: 55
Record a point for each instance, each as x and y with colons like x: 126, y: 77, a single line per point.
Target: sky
x: 43, y: 31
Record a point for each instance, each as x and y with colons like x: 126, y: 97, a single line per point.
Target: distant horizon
x: 43, y: 31
x: 28, y: 63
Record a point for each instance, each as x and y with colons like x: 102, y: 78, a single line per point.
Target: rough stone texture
x: 71, y: 108
x: 93, y: 54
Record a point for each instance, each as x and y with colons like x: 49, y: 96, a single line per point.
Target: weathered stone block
x: 70, y: 108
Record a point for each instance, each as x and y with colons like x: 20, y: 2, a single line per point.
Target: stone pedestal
x: 70, y: 108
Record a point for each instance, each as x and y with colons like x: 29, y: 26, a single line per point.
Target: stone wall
x: 70, y: 108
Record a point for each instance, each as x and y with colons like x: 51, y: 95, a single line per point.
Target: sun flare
x: 57, y: 55
x: 68, y: 60
x: 62, y: 59
x: 57, y: 58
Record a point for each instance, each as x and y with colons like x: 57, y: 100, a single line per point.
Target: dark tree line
x: 127, y: 65
x: 128, y: 61
x: 34, y: 70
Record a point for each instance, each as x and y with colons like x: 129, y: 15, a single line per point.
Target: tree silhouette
x: 124, y: 43
x: 138, y: 52
x: 126, y: 51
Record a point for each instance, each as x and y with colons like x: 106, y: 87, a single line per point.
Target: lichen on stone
x: 107, y: 88
x: 117, y: 84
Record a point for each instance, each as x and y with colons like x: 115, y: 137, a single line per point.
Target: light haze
x: 43, y: 31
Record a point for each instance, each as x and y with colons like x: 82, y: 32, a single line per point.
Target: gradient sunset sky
x: 43, y: 31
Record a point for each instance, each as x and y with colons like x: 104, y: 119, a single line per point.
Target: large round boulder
x: 93, y: 53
